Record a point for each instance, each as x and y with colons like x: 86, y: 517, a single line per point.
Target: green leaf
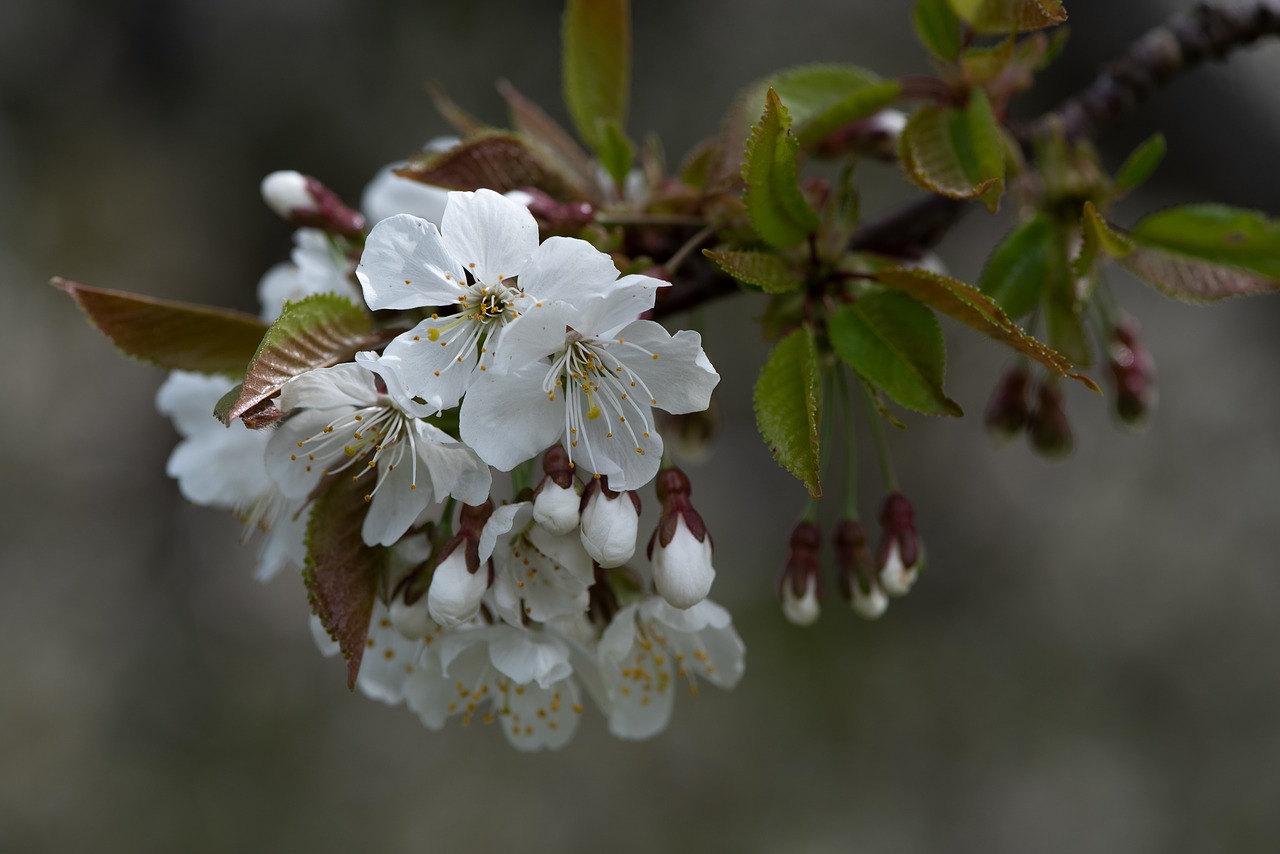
x: 971, y: 307
x: 1097, y: 235
x: 175, y: 335
x: 616, y: 153
x: 1141, y: 163
x: 787, y: 405
x: 315, y: 332
x: 1207, y: 252
x: 895, y: 342
x: 771, y: 272
x: 597, y: 65
x: 823, y: 98
x: 775, y: 205
x: 1007, y: 16
x: 956, y: 153
x: 1016, y: 271
x: 938, y: 28
x: 342, y: 574
x: 497, y: 160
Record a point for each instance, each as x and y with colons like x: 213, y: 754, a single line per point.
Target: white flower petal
x: 439, y: 370
x: 501, y: 521
x: 526, y: 657
x: 405, y: 265
x: 347, y: 384
x: 454, y: 469
x: 568, y: 270
x: 680, y: 379
x: 624, y: 301
x: 508, y: 418
x: 490, y: 235
x: 296, y: 469
x: 397, y: 503
x: 538, y: 718
x: 608, y: 446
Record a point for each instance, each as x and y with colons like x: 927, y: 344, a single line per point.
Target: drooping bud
x: 1048, y: 427
x: 1007, y: 412
x: 900, y: 554
x: 856, y: 570
x: 305, y: 202
x: 459, y: 581
x: 610, y: 523
x: 680, y: 547
x: 800, y: 585
x: 556, y: 503
x: 1132, y: 371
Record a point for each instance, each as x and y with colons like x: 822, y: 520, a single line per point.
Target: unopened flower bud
x: 459, y: 581
x: 610, y: 523
x: 859, y: 581
x: 1133, y: 372
x: 1007, y: 413
x: 1048, y: 427
x: 305, y: 202
x: 680, y: 547
x: 801, y: 583
x: 900, y: 555
x: 556, y: 503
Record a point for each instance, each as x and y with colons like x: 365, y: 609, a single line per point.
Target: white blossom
x: 609, y: 527
x: 344, y: 424
x: 650, y: 647
x: 589, y: 376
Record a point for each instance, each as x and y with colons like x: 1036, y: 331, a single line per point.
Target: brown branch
x: 1206, y: 33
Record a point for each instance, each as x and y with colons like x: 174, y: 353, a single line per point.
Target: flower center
x: 379, y: 436
x: 597, y: 384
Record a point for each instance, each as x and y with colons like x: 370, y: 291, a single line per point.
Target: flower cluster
x: 497, y: 352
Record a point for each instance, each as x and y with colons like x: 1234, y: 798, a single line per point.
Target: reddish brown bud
x: 1007, y: 412
x: 1049, y: 429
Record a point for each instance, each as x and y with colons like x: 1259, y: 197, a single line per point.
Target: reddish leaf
x: 175, y: 335
x: 499, y: 161
x: 342, y: 574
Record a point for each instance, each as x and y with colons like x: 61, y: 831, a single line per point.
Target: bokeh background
x: 1090, y: 663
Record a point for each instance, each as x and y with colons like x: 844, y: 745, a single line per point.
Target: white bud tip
x: 801, y: 610
x: 870, y: 605
x: 286, y: 192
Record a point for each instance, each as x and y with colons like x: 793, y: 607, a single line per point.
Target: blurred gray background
x: 1090, y: 662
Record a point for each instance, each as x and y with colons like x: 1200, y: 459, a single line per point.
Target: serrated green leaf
x: 1202, y: 253
x: 316, y: 332
x: 971, y: 307
x: 1016, y: 271
x: 616, y: 153
x: 1097, y: 235
x: 896, y: 343
x: 776, y: 207
x: 497, y: 160
x: 342, y: 574
x: 1007, y: 16
x: 823, y: 98
x: 597, y: 65
x: 938, y: 28
x: 175, y: 335
x: 787, y: 404
x: 1141, y: 163
x: 956, y: 153
x: 768, y: 271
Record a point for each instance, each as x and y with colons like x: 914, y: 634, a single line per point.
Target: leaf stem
x: 882, y: 446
